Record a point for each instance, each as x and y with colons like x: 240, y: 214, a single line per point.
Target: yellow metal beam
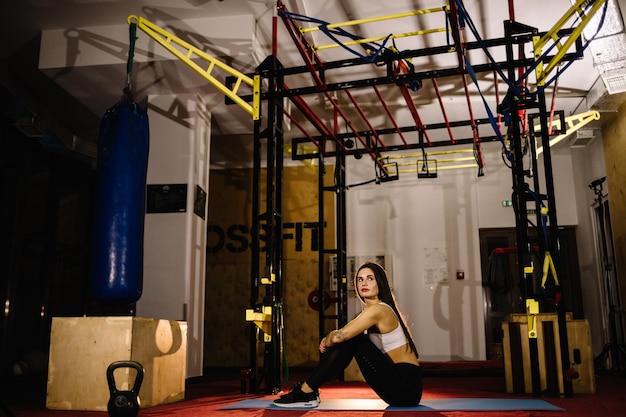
x: 438, y: 161
x: 573, y: 123
x: 379, y: 38
x: 303, y: 150
x: 262, y: 320
x: 376, y: 19
x: 186, y: 52
x: 439, y: 168
x: 532, y: 310
x: 542, y: 71
x: 419, y: 165
x: 420, y: 155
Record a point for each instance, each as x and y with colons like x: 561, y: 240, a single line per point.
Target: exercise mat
x: 440, y: 404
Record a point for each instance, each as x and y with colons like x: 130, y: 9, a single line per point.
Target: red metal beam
x: 360, y: 110
x: 310, y: 57
x: 313, y: 63
x: 304, y: 132
x: 477, y: 146
x: 443, y: 111
x: 350, y: 125
x: 413, y: 109
x: 275, y: 35
x: 319, y: 124
x: 393, y: 120
x: 457, y: 35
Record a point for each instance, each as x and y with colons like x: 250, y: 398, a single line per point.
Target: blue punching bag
x: 117, y: 260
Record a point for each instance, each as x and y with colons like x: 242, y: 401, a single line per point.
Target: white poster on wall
x: 435, y: 267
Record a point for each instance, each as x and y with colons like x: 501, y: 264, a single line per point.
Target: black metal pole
x: 255, y: 250
x: 320, y: 245
x: 519, y: 202
x: 341, y: 233
x: 553, y: 240
x: 279, y: 155
x: 271, y: 68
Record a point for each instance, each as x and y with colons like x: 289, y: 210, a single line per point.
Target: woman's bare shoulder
x: 381, y: 310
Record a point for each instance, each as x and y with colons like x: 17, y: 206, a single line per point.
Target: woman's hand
x: 335, y: 336
x: 327, y: 341
x: 323, y: 345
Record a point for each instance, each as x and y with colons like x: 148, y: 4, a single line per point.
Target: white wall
x: 589, y: 166
x: 175, y: 243
x: 417, y: 220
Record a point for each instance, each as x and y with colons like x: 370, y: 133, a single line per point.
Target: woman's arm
x: 368, y: 318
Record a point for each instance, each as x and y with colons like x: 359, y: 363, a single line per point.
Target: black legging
x: 398, y: 384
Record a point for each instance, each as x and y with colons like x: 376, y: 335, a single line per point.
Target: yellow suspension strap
x: 548, y: 266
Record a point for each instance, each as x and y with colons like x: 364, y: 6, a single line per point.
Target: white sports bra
x: 386, y: 342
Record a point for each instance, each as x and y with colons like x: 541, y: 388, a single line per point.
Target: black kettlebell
x: 124, y: 403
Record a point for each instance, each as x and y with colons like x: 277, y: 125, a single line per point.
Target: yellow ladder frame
x: 541, y: 71
x: 573, y: 123
x: 168, y: 41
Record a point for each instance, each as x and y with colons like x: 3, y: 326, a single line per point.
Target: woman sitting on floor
x: 380, y: 342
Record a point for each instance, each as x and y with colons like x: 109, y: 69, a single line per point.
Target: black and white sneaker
x: 298, y: 399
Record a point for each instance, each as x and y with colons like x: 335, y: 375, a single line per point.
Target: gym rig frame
x: 267, y: 277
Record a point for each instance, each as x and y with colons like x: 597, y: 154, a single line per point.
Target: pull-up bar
x: 380, y: 38
x: 377, y: 19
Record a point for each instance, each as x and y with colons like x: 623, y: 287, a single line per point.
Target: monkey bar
x: 377, y: 19
x: 319, y: 73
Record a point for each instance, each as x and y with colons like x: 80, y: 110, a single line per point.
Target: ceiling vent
x: 608, y: 47
x: 582, y: 138
x: 615, y: 83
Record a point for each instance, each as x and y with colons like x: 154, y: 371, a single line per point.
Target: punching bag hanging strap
x: 132, y: 32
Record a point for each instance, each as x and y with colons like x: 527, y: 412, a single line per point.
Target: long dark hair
x: 385, y: 294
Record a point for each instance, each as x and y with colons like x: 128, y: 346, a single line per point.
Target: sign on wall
x: 435, y: 267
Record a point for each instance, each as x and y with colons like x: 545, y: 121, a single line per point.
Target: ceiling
x: 69, y: 98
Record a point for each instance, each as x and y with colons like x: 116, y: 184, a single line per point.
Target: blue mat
x: 444, y: 404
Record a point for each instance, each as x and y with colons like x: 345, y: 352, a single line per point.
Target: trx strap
x: 548, y: 263
x: 492, y: 120
x: 514, y: 88
x: 548, y: 266
x: 331, y: 32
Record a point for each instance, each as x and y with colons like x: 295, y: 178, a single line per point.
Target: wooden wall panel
x: 228, y: 264
x: 227, y: 286
x: 614, y: 140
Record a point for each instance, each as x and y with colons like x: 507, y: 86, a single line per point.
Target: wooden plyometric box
x: 82, y: 348
x: 516, y: 349
x: 523, y: 317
